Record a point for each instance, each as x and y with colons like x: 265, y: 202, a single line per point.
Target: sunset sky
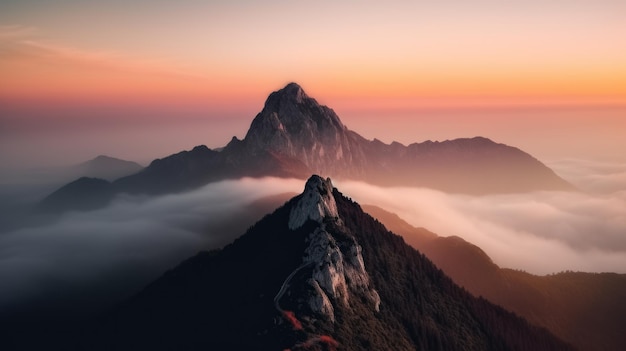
x: 143, y: 79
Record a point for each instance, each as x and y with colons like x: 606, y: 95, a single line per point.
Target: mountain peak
x: 291, y: 94
x: 106, y: 167
x: 293, y: 90
x: 292, y: 124
x: 316, y: 203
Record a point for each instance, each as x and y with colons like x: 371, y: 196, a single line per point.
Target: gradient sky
x: 159, y: 76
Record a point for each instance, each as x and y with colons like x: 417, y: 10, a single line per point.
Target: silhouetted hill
x: 317, y: 274
x: 585, y: 309
x: 81, y: 194
x: 295, y: 136
x: 106, y: 167
x: 181, y: 171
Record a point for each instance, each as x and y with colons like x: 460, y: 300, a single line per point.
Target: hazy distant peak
x: 482, y: 139
x: 105, y: 167
x: 104, y: 158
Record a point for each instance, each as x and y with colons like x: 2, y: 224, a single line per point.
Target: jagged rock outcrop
x: 316, y: 204
x: 336, y: 261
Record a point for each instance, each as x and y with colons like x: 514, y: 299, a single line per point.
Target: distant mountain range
x: 92, y: 189
x: 294, y: 136
x: 316, y: 274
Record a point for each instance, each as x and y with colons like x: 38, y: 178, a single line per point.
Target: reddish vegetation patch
x: 329, y: 341
x: 331, y: 344
x: 291, y: 317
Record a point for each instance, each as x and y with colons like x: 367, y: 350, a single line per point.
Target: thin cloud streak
x: 24, y: 43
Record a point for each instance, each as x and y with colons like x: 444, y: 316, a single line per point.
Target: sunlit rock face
x: 338, y: 270
x: 316, y: 203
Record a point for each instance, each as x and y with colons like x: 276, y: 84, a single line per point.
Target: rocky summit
x: 294, y: 125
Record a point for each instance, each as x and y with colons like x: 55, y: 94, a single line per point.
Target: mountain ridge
x: 294, y: 136
x: 316, y: 274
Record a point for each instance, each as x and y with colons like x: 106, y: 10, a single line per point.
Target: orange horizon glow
x: 37, y: 71
x: 548, y: 77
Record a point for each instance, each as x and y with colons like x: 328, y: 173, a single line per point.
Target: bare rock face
x: 317, y: 203
x: 295, y: 125
x: 338, y: 269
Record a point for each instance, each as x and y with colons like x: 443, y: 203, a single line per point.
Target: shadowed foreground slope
x: 317, y: 274
x: 585, y: 309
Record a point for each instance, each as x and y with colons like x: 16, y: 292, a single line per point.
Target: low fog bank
x: 116, y: 250
x: 592, y: 176
x: 85, y: 260
x: 540, y: 232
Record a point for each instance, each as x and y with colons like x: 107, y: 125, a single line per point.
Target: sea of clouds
x: 540, y: 232
x: 119, y: 249
x: 122, y: 247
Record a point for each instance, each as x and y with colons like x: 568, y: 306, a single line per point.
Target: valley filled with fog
x: 110, y: 253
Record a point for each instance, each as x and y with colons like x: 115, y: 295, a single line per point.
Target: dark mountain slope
x: 585, y: 309
x: 81, y: 194
x: 316, y: 274
x: 182, y: 171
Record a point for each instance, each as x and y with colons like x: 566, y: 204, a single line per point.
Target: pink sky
x: 144, y: 79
